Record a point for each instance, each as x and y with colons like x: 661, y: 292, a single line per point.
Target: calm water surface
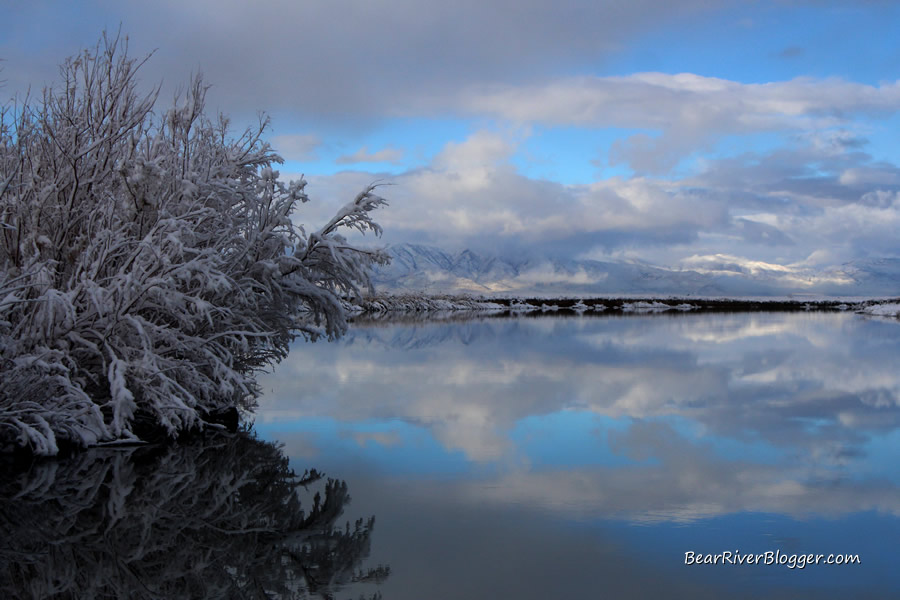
x: 541, y: 457
x: 583, y: 457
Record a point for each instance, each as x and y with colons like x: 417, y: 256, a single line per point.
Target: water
x: 540, y: 457
x: 578, y: 457
x: 220, y: 517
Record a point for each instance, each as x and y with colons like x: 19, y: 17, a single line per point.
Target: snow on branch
x: 149, y: 263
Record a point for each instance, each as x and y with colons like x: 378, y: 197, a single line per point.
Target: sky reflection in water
x: 591, y: 453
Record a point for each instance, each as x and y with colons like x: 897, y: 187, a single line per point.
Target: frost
x: 684, y: 307
x: 887, y: 309
x: 416, y: 303
x: 149, y: 264
x: 645, y: 307
x: 517, y: 306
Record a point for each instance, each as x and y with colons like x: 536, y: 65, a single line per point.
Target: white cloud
x: 765, y: 208
x: 818, y: 195
x: 731, y: 264
x: 687, y: 112
x: 470, y: 189
x: 663, y: 101
x: 482, y: 149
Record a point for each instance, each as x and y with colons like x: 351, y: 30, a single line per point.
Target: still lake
x: 528, y: 457
x: 583, y: 457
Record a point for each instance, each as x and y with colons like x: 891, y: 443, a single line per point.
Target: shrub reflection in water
x: 214, y: 518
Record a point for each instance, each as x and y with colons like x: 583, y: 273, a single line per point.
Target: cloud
x: 299, y: 147
x: 388, y: 154
x: 482, y: 149
x: 685, y: 112
x: 755, y: 232
x: 779, y: 207
x: 471, y: 187
x: 347, y: 68
x: 875, y: 175
x: 684, y: 100
x: 731, y: 264
x: 342, y: 60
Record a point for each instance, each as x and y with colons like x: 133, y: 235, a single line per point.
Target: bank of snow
x: 887, y: 309
x: 415, y: 303
x: 654, y: 307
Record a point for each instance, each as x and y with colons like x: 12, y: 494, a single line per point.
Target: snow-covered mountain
x: 430, y: 269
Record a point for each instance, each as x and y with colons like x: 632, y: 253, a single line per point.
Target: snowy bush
x: 148, y: 261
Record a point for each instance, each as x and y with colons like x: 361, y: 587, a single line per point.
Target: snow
x: 421, y: 268
x: 415, y: 303
x: 159, y: 272
x: 645, y: 307
x: 889, y: 309
x: 684, y: 306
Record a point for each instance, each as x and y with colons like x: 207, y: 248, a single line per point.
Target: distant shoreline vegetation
x: 389, y: 306
x: 150, y: 265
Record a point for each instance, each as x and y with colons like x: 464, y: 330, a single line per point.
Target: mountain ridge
x: 424, y: 268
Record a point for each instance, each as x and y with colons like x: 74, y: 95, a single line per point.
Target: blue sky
x: 689, y: 134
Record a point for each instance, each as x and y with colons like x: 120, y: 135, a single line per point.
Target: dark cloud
x: 343, y: 58
x: 299, y: 147
x: 759, y: 233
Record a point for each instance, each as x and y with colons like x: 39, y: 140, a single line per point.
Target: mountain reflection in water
x: 215, y: 518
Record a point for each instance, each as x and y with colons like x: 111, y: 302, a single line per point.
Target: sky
x: 689, y: 134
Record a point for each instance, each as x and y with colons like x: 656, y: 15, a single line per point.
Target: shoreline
x: 424, y: 306
x: 425, y: 309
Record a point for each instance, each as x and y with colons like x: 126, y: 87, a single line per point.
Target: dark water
x: 223, y: 517
x: 506, y: 458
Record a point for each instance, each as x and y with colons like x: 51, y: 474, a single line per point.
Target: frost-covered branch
x: 149, y: 263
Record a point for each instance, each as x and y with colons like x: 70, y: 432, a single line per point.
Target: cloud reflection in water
x: 713, y: 414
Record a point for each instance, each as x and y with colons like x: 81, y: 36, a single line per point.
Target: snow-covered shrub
x: 148, y: 261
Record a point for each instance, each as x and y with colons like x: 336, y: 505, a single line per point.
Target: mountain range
x: 421, y: 268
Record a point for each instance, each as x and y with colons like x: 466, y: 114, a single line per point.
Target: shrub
x: 149, y: 265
